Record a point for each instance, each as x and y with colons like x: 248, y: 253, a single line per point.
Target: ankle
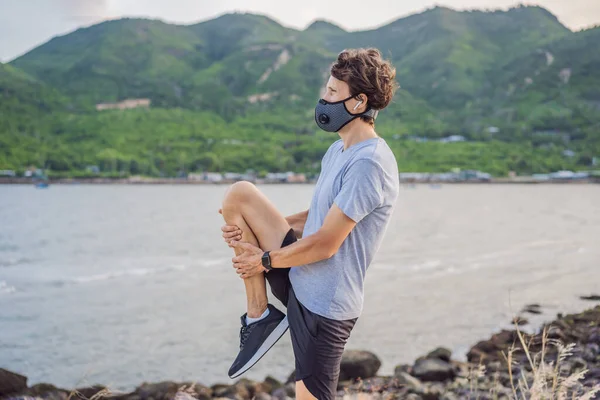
x: 255, y: 311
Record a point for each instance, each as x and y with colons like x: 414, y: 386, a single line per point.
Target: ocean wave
x: 6, y: 289
x: 11, y: 262
x: 135, y: 272
x: 216, y: 262
x: 426, y: 266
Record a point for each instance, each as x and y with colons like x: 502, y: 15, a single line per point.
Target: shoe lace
x: 244, y: 334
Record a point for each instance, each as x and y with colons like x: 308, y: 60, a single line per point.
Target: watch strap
x: 266, y: 260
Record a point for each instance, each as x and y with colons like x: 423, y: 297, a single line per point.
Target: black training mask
x: 332, y: 117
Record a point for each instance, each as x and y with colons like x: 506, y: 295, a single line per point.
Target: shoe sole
x: 269, y: 342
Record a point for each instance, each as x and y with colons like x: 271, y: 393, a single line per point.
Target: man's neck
x: 356, y: 132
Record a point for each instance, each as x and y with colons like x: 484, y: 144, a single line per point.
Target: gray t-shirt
x: 363, y: 182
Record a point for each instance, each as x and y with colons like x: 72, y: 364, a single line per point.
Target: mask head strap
x: 370, y: 113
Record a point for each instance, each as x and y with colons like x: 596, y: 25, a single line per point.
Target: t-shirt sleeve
x: 362, y: 189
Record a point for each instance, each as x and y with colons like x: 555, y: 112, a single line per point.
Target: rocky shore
x: 562, y: 360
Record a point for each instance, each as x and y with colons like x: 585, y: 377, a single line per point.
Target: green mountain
x: 26, y: 107
x: 445, y: 56
x: 21, y: 93
x: 119, y: 59
x: 224, y: 90
x: 553, y: 94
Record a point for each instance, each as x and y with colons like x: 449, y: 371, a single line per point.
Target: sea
x: 124, y: 284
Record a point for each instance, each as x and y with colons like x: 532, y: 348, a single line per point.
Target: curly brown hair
x: 365, y: 71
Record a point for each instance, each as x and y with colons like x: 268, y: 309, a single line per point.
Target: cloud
x: 26, y: 24
x: 85, y: 11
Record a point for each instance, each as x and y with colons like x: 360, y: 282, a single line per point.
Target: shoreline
x: 177, y: 181
x: 434, y: 376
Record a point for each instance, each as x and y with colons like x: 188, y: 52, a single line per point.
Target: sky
x: 26, y: 24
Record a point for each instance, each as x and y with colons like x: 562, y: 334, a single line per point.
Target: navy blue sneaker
x: 257, y: 338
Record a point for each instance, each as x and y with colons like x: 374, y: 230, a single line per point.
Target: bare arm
x: 297, y: 222
x: 316, y: 247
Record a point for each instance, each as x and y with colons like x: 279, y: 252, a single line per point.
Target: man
x: 320, y: 277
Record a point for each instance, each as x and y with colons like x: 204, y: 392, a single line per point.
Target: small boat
x: 40, y: 180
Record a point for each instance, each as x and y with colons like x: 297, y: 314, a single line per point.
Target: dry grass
x: 547, y: 380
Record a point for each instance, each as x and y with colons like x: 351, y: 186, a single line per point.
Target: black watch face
x: 266, y: 260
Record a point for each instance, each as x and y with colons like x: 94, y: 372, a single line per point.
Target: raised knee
x: 239, y: 192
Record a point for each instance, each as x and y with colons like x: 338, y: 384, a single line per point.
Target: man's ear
x: 365, y: 100
x: 362, y: 105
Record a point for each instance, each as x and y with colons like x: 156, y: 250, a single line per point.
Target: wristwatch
x: 266, y: 261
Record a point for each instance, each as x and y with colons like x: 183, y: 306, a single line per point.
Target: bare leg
x: 262, y: 225
x: 302, y: 392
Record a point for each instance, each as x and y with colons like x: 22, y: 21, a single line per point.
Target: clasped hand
x: 249, y: 262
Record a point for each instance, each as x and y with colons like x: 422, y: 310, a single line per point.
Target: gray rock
x: 593, y: 347
x: 285, y: 392
x: 577, y: 363
x: 433, y: 392
x: 201, y: 392
x: 47, y: 391
x: 290, y: 389
x: 594, y: 337
x: 246, y: 389
x: 440, y: 353
x: 183, y: 395
x: 262, y: 396
x: 358, y: 364
x: 413, y: 396
x: 342, y: 385
x: 402, y: 368
x: 291, y: 378
x: 433, y: 370
x: 270, y: 384
x: 404, y: 379
x: 554, y: 332
x: 279, y: 394
x: 11, y: 382
x: 362, y: 396
x: 491, y: 349
x: 220, y: 390
x: 158, y: 391
x: 590, y: 352
x: 494, y: 366
x: 593, y: 374
x: 504, y: 379
x: 125, y: 396
x: 592, y: 297
x: 564, y: 369
x: 449, y: 396
x: 375, y: 384
x: 532, y: 309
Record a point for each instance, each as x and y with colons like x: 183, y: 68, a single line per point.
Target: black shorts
x: 318, y: 342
